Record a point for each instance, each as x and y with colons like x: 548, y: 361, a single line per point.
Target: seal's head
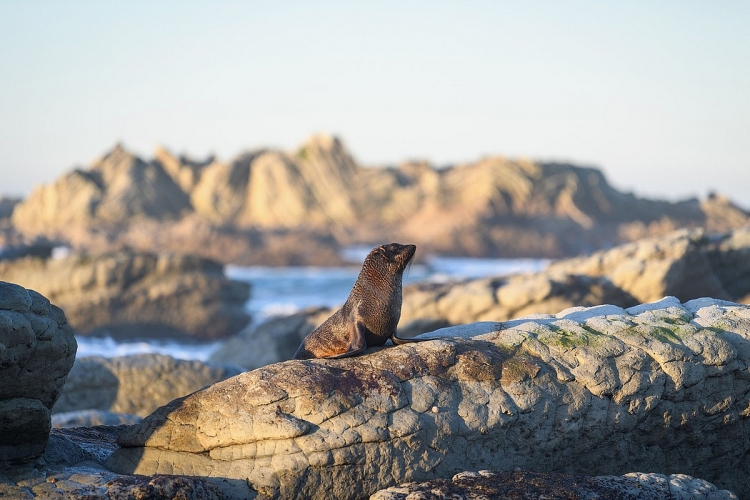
x: 392, y: 258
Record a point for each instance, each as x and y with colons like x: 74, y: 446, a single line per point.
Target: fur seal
x: 370, y: 314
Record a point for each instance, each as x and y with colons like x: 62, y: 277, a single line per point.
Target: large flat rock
x: 660, y: 387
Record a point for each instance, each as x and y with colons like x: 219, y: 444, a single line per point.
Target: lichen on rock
x: 620, y: 395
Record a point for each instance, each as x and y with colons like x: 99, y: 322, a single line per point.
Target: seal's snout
x: 404, y: 254
x: 410, y: 251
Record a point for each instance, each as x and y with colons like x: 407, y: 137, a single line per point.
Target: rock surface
x: 135, y: 384
x: 686, y: 264
x: 71, y: 468
x: 272, y: 341
x: 37, y: 349
x: 491, y: 207
x: 136, y: 294
x: 526, y: 485
x: 662, y: 387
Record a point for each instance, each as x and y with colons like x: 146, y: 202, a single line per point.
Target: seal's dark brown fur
x: 370, y: 314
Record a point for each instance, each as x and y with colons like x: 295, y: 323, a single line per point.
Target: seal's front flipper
x: 399, y: 340
x: 357, y: 342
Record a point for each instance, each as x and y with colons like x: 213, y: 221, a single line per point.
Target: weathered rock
x: 503, y: 298
x: 116, y: 188
x: 660, y: 387
x: 270, y: 342
x: 37, y: 349
x: 135, y: 384
x: 184, y: 172
x: 135, y: 294
x: 686, y: 263
x: 491, y: 207
x: 71, y: 468
x: 524, y: 484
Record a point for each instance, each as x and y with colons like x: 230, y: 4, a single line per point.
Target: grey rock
x: 71, y: 468
x: 524, y: 484
x: 137, y: 294
x: 135, y: 384
x: 594, y: 391
x: 37, y: 349
x: 91, y: 418
x: 270, y: 342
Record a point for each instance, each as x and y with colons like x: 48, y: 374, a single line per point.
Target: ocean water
x: 285, y: 290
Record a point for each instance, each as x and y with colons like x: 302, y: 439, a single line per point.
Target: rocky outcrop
x: 115, y: 189
x: 524, y: 484
x: 71, y: 468
x: 37, y: 349
x: 492, y: 207
x: 686, y: 263
x: 136, y: 294
x: 135, y: 384
x: 503, y: 298
x: 272, y: 341
x: 661, y: 387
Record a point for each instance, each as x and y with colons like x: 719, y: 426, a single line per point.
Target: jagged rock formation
x: 37, y: 349
x: 494, y: 206
x: 137, y: 294
x: 523, y: 485
x: 658, y: 387
x: 134, y: 384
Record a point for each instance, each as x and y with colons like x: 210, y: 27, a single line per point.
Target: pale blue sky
x: 657, y: 94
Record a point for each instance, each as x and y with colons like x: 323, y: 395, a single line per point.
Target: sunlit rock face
x: 115, y: 189
x: 603, y: 390
x: 494, y: 206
